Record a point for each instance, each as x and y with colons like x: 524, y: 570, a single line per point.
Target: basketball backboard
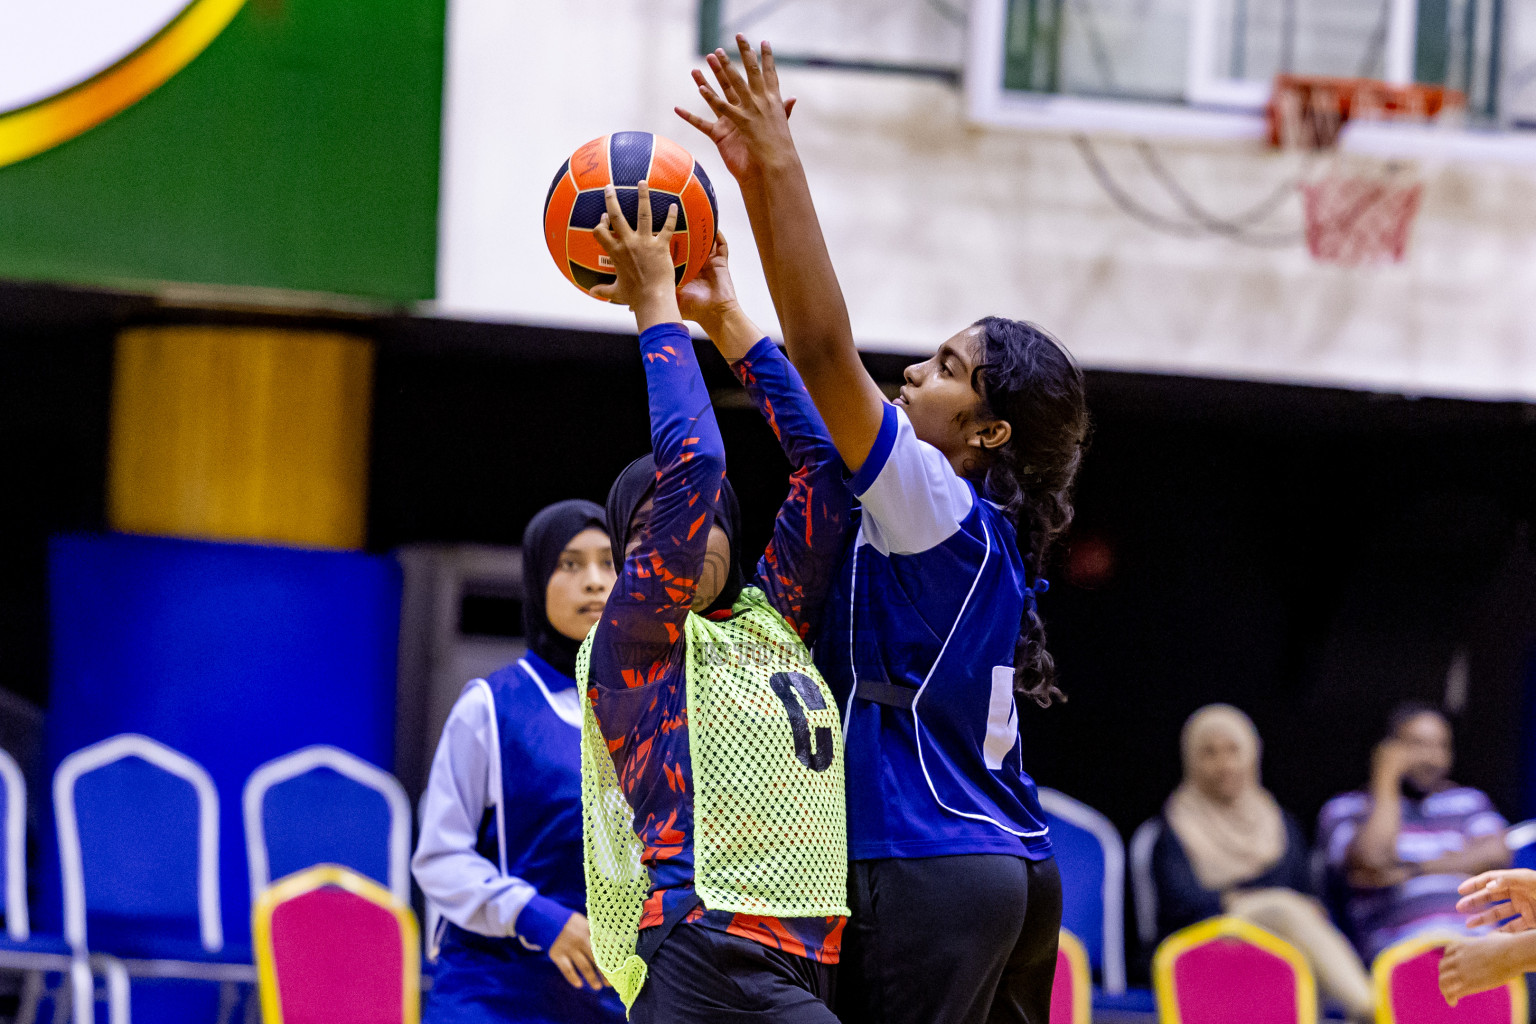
x: 925, y: 37
x: 1153, y: 69
x: 1205, y: 68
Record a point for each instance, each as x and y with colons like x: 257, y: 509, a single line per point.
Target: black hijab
x: 547, y: 535
x: 637, y: 483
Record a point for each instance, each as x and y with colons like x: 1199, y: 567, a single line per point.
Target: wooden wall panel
x: 243, y: 434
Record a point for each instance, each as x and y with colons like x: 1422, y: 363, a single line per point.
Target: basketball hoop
x: 1358, y: 210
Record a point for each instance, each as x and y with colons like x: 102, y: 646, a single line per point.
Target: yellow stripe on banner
x: 41, y: 126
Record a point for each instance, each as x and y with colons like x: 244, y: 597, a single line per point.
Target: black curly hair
x: 1028, y: 378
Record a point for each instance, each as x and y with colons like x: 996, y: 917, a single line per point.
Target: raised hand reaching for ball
x: 642, y: 261
x: 751, y: 125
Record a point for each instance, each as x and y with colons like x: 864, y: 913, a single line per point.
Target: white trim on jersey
x: 853, y: 605
x: 565, y: 703
x: 917, y: 719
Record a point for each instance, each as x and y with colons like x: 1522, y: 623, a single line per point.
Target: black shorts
x: 704, y: 976
x: 950, y: 940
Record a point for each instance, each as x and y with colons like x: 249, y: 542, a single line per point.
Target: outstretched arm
x: 751, y: 130
x: 640, y: 635
x: 798, y: 565
x: 801, y: 560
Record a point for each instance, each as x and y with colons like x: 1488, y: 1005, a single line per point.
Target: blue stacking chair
x: 138, y: 827
x: 322, y: 805
x: 36, y: 955
x: 1091, y: 857
x: 1143, y: 884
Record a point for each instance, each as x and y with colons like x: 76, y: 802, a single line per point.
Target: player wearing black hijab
x: 500, y: 849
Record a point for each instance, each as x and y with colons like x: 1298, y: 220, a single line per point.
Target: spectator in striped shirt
x: 1403, y: 846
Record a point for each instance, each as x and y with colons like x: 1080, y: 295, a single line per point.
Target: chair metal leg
x: 229, y: 1001
x: 83, y: 973
x: 82, y: 991
x: 118, y: 992
x: 63, y: 1000
x: 32, y: 990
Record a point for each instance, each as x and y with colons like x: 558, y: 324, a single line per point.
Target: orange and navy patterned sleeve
x: 637, y: 678
x: 798, y: 566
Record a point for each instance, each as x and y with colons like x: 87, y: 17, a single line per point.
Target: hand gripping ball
x: 575, y: 204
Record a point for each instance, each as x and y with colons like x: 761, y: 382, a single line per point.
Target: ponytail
x: 1028, y: 379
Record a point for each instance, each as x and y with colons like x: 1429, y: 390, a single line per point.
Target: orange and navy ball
x: 575, y: 204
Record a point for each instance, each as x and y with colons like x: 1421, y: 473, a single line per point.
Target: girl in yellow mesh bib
x: 716, y: 849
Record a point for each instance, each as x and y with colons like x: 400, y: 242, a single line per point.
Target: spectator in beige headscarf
x: 1229, y: 848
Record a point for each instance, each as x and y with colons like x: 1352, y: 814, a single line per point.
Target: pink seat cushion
x: 1416, y: 996
x: 1227, y: 980
x: 338, y: 959
x: 1061, y: 990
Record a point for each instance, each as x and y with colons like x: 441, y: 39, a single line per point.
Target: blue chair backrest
x: 138, y: 846
x: 323, y: 805
x: 138, y: 840
x: 13, y: 863
x: 1521, y: 840
x: 323, y: 817
x: 1091, y: 858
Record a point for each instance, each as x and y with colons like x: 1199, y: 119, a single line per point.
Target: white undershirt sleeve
x: 465, y: 781
x: 912, y: 497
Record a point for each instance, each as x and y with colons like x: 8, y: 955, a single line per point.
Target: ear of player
x: 575, y: 204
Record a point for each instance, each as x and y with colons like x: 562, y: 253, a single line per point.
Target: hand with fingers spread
x: 751, y: 123
x: 750, y: 128
x: 645, y: 278
x: 1506, y: 899
x: 572, y: 953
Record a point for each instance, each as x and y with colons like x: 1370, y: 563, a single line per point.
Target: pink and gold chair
x: 1226, y: 970
x: 1407, y: 981
x: 335, y: 947
x: 1072, y: 992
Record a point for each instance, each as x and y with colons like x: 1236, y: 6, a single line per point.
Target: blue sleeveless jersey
x: 532, y: 834
x: 917, y: 644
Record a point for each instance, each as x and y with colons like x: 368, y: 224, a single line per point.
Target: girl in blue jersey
x: 677, y: 535
x: 932, y: 630
x: 500, y: 850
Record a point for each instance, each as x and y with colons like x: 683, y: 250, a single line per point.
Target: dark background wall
x: 1311, y: 555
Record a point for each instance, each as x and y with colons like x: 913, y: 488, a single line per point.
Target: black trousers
x: 950, y: 940
x: 703, y: 976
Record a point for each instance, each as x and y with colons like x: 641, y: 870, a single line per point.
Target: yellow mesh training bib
x: 770, y: 830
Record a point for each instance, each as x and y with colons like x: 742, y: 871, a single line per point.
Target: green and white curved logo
x: 68, y: 65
